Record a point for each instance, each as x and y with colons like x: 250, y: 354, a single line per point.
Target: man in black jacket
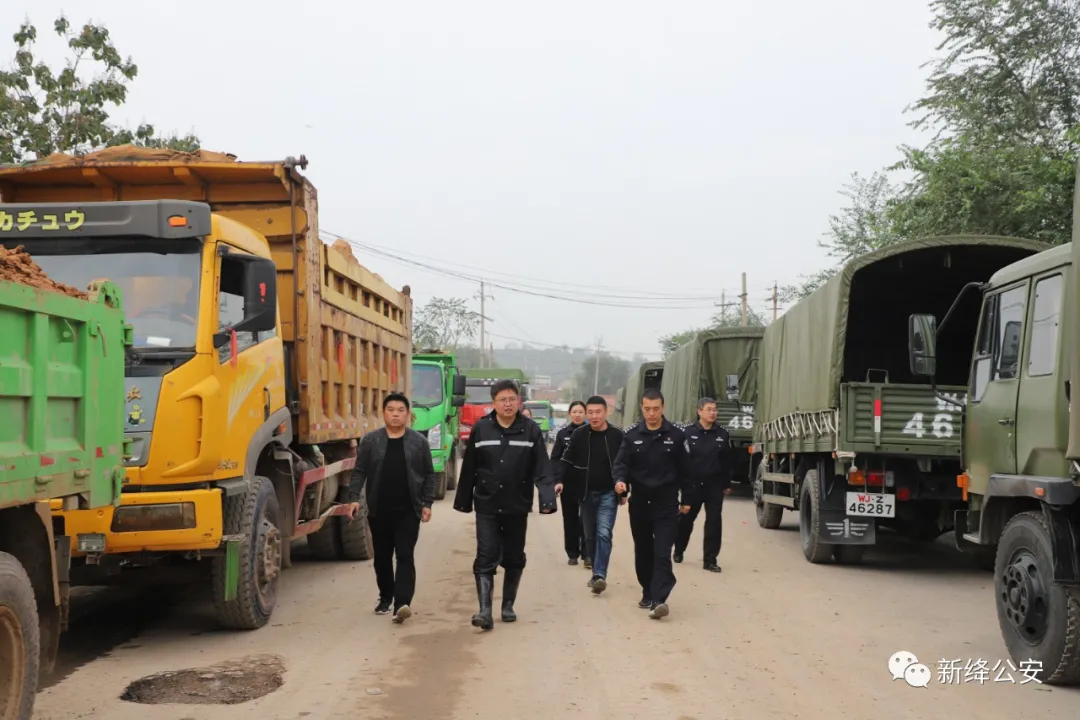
x: 709, y: 468
x: 591, y: 453
x: 651, y: 467
x: 397, y: 460
x: 504, y: 458
x: 573, y: 487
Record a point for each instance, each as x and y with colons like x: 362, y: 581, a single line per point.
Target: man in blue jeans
x: 591, y: 451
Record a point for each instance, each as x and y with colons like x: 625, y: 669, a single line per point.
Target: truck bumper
x: 153, y: 521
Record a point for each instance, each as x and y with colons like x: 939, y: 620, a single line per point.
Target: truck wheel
x: 451, y: 469
x: 1039, y: 620
x: 254, y: 516
x: 848, y: 554
x: 355, y: 534
x: 768, y: 515
x: 810, y: 519
x: 20, y: 648
x: 323, y: 543
x: 440, y: 485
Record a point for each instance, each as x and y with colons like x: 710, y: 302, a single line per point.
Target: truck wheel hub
x: 271, y: 564
x: 1024, y: 598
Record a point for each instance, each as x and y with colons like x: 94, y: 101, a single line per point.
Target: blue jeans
x: 598, y: 511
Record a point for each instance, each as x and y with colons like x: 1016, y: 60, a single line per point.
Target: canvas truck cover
x: 635, y: 387
x: 1072, y: 313
x: 701, y: 366
x: 802, y: 353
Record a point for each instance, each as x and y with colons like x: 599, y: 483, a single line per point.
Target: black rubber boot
x: 483, y: 618
x: 509, y: 595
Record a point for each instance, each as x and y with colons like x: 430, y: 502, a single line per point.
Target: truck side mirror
x: 459, y: 385
x: 260, y: 293
x: 922, y: 337
x: 732, y: 388
x: 457, y: 401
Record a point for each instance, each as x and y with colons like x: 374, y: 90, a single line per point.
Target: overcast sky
x: 631, y: 148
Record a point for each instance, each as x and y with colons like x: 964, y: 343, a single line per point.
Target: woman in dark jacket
x: 573, y: 487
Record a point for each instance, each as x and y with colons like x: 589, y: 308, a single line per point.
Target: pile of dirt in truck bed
x: 17, y: 266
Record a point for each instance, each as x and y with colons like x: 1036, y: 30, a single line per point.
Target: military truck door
x: 995, y: 383
x: 1038, y: 424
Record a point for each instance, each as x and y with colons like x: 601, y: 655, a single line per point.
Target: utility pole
x: 743, y: 298
x: 483, y: 319
x: 723, y: 305
x: 596, y: 375
x: 775, y: 299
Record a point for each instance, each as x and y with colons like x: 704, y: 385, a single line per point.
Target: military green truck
x: 1021, y: 447
x: 846, y: 434
x: 62, y: 356
x: 648, y: 375
x: 438, y: 390
x: 721, y: 364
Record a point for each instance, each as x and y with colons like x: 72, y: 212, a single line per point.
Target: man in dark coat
x: 506, y: 456
x: 394, y: 465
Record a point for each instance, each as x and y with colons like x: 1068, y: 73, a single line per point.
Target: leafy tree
x: 43, y: 111
x: 444, y: 323
x: 672, y: 342
x: 614, y: 372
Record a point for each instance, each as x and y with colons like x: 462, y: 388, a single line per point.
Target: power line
x: 649, y: 305
x: 572, y: 347
x: 535, y: 286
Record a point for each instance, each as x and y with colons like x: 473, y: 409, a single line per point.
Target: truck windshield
x: 539, y: 410
x: 478, y: 394
x: 427, y: 386
x: 159, y: 280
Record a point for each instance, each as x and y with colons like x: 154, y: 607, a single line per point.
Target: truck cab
x: 438, y: 390
x: 1020, y: 479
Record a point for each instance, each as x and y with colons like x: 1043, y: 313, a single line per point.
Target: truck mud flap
x: 838, y: 529
x: 232, y: 545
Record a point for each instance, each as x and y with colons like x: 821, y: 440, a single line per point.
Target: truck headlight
x: 434, y: 437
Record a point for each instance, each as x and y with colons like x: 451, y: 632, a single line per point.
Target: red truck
x: 478, y: 382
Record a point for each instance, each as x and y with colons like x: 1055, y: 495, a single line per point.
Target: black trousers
x: 713, y: 500
x: 500, y: 540
x: 573, y: 530
x: 654, y: 524
x: 395, y: 533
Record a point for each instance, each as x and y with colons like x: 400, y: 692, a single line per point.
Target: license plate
x: 871, y: 504
x: 91, y: 543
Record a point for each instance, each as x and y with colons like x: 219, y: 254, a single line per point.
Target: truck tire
x: 323, y: 544
x: 355, y: 534
x: 440, y: 485
x: 20, y: 644
x: 451, y: 469
x: 769, y: 516
x: 810, y: 519
x: 253, y: 515
x: 1039, y: 620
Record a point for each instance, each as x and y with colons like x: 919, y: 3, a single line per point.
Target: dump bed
x: 700, y: 369
x: 61, y: 393
x: 347, y: 332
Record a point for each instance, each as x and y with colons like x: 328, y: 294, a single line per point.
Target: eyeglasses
x: 506, y: 401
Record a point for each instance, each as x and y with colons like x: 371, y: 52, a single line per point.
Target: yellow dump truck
x: 260, y: 356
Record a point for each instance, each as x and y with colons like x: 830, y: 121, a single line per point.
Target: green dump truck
x: 438, y: 390
x: 722, y: 364
x: 62, y: 356
x: 648, y: 375
x: 542, y: 413
x: 846, y: 434
x: 1021, y: 447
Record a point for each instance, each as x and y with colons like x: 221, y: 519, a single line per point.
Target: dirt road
x: 771, y: 637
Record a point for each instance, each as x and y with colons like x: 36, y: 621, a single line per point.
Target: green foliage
x: 443, y: 323
x: 672, y: 342
x: 1004, y: 101
x: 44, y: 111
x: 614, y: 372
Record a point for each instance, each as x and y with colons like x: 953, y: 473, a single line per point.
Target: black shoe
x: 713, y: 567
x: 383, y: 608
x: 658, y: 611
x: 645, y: 604
x: 482, y: 619
x: 509, y: 594
x: 677, y: 557
x: 588, y: 563
x: 599, y: 585
x: 572, y: 561
x: 402, y: 614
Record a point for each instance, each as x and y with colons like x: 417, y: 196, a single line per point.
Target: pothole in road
x: 228, y: 683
